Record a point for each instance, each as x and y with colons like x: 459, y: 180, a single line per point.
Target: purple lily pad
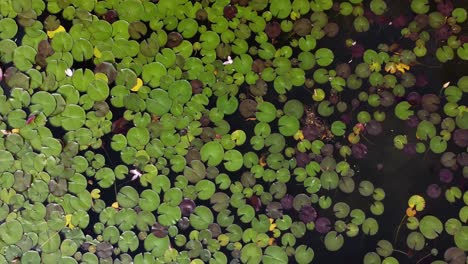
x: 273, y: 29
x: 359, y: 151
x: 287, y: 201
x: 445, y: 7
x: 400, y: 21
x: 445, y: 175
x: 255, y: 202
x: 374, y: 128
x: 410, y: 149
x: 159, y: 230
x: 460, y: 137
x: 462, y: 159
x: 433, y: 191
x: 443, y: 33
x: 187, y: 206
x: 230, y: 12
x: 323, y: 225
x: 421, y: 80
x: 307, y: 214
x: 302, y: 159
x: 357, y: 51
x: 414, y: 98
x: 412, y: 121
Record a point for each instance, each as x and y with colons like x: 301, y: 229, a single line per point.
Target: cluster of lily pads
x: 175, y: 131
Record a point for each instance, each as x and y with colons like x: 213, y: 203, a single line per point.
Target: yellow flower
x: 271, y: 241
x: 410, y: 212
x: 115, y: 205
x: 68, y: 219
x: 137, y: 86
x: 299, y: 135
x: 394, y: 67
x: 272, y: 225
x: 15, y: 130
x: 402, y: 67
x: 52, y: 33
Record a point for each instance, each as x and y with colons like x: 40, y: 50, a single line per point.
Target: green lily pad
x: 205, y: 189
x: 168, y: 215
x: 324, y: 57
x: 266, y: 112
x: 402, y: 110
x: 149, y: 200
x: 461, y: 238
x: 152, y: 73
x: 288, y: 125
x: 438, y: 144
x: 275, y: 254
x: 333, y: 241
x: 385, y: 248
x: 8, y: 28
x: 24, y: 57
x: 251, y: 253
x: 234, y: 160
x: 180, y: 91
x: 212, y: 153
x: 6, y: 160
x: 128, y: 241
x: 201, y: 218
x: 11, y: 232
x: 415, y: 240
x: 304, y: 254
x: 82, y: 50
x: 157, y: 246
x: 72, y: 117
x: 430, y: 226
x: 138, y: 137
x: 281, y: 9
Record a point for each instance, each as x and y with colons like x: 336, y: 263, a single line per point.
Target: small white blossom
x: 69, y: 72
x: 136, y: 174
x: 229, y: 61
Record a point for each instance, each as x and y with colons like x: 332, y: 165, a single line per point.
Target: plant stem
x: 370, y: 142
x: 421, y: 259
x: 401, y: 252
x: 398, y: 230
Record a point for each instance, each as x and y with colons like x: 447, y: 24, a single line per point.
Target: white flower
x: 136, y: 174
x: 229, y: 61
x: 69, y: 72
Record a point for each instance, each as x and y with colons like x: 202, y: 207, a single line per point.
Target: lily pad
x: 11, y: 232
x: 430, y: 226
x: 212, y: 153
x: 201, y: 218
x: 333, y: 241
x: 275, y: 254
